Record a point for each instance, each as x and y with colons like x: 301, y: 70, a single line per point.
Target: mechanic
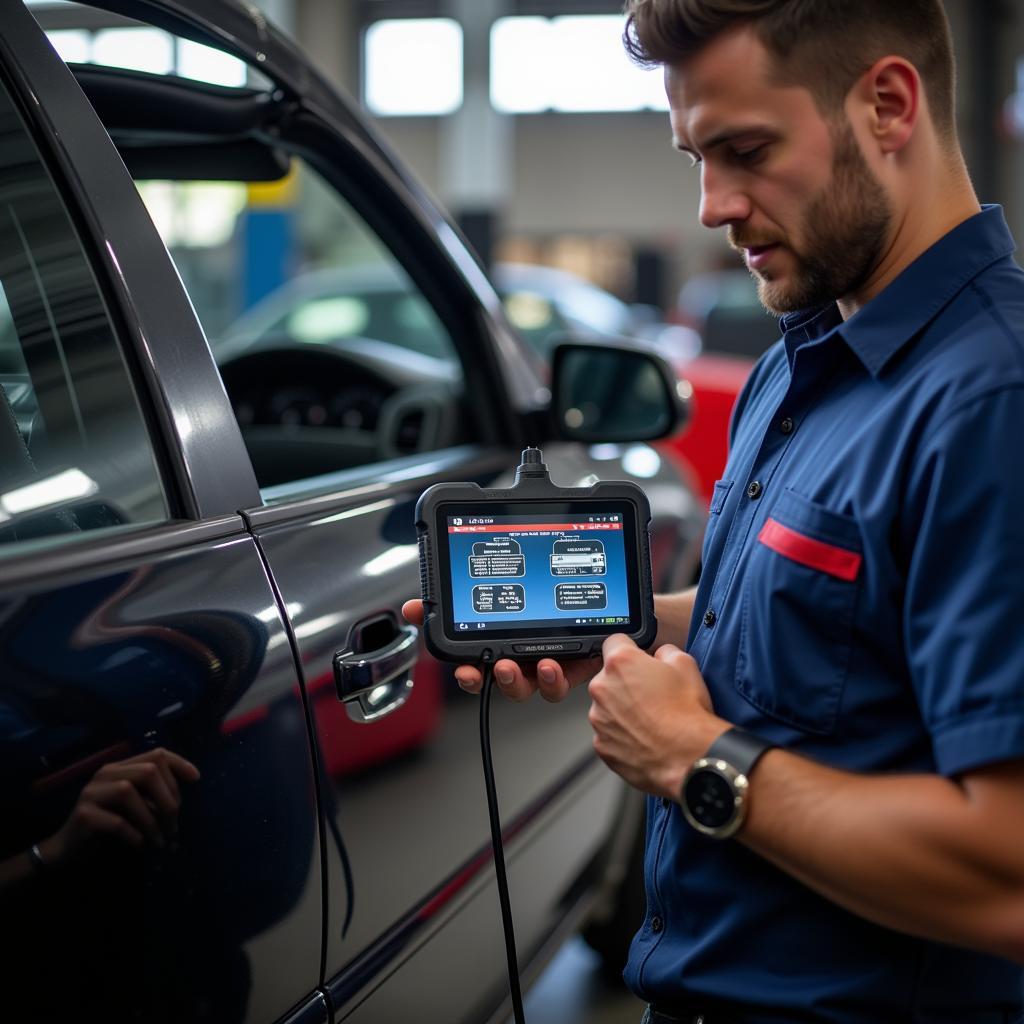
x: 859, y: 612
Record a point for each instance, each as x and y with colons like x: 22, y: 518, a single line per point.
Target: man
x: 860, y: 609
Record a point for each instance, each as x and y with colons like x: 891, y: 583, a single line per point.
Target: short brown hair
x: 825, y: 45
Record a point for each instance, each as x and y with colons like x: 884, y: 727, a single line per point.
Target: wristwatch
x: 714, y: 793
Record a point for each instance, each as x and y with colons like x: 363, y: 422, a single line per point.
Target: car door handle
x: 372, y: 684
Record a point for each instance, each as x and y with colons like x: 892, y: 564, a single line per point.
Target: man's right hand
x: 547, y: 677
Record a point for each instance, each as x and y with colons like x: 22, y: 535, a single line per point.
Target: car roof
x: 575, y: 296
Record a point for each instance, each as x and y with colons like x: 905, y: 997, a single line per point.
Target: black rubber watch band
x: 739, y: 748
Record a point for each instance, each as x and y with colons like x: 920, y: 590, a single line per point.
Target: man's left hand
x: 652, y: 716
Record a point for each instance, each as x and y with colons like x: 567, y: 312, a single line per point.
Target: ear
x: 891, y: 91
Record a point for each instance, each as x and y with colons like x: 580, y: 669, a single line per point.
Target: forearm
x: 673, y: 612
x: 920, y: 854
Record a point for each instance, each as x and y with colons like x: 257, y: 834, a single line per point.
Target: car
x: 207, y: 815
x: 722, y: 310
x: 546, y: 304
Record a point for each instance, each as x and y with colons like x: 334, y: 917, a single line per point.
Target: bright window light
x: 413, y: 66
x: 208, y: 212
x: 148, y: 49
x: 520, y: 65
x: 591, y: 70
x: 139, y: 49
x: 572, y: 63
x: 196, y: 214
x: 206, y: 64
x: 73, y: 45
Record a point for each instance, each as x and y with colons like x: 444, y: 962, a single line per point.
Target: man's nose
x: 721, y: 202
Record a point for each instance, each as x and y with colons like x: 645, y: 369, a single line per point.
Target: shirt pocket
x: 718, y: 497
x: 799, y: 599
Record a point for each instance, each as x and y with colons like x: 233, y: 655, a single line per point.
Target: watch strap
x: 739, y: 748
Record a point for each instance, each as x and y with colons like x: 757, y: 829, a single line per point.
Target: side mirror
x: 607, y: 393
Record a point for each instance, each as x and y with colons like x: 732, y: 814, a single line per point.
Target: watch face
x: 710, y: 799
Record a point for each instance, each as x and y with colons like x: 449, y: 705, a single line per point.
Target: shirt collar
x: 890, y: 320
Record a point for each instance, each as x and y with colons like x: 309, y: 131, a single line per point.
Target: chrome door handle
x: 372, y: 684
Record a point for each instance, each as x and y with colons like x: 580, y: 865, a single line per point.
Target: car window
x: 330, y: 354
x: 74, y: 451
x: 331, y: 280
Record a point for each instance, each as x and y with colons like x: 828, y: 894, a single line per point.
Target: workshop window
x: 412, y: 66
x: 570, y: 64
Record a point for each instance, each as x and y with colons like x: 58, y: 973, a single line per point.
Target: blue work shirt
x: 862, y: 604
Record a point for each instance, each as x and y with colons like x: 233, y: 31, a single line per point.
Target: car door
x: 137, y: 617
x: 364, y: 367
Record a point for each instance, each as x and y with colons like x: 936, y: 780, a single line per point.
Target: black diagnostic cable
x: 487, y: 668
x: 451, y: 508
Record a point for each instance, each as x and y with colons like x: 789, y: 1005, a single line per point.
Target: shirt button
x: 786, y: 426
x: 666, y: 803
x: 657, y: 925
x: 710, y: 618
x: 754, y: 490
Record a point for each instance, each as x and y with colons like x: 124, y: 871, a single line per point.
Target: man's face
x: 793, y: 188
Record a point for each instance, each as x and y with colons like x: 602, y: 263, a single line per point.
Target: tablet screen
x: 564, y: 568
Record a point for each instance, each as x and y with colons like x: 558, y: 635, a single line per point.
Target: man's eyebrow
x: 722, y: 137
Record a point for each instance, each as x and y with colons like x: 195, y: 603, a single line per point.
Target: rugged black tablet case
x: 535, y: 487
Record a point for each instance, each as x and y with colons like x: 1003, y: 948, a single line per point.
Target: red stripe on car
x: 816, y: 554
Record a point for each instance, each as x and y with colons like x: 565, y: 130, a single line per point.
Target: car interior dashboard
x: 309, y: 410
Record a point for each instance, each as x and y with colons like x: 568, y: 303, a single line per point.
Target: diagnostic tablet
x: 535, y: 570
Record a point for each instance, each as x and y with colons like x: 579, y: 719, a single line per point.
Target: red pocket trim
x: 807, y: 551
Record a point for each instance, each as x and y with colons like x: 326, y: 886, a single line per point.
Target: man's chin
x: 776, y: 298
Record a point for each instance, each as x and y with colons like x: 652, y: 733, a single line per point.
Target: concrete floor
x: 572, y: 991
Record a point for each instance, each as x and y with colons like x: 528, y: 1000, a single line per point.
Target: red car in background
x: 722, y: 307
x: 703, y: 444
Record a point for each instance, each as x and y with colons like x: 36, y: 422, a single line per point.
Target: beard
x: 845, y: 228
